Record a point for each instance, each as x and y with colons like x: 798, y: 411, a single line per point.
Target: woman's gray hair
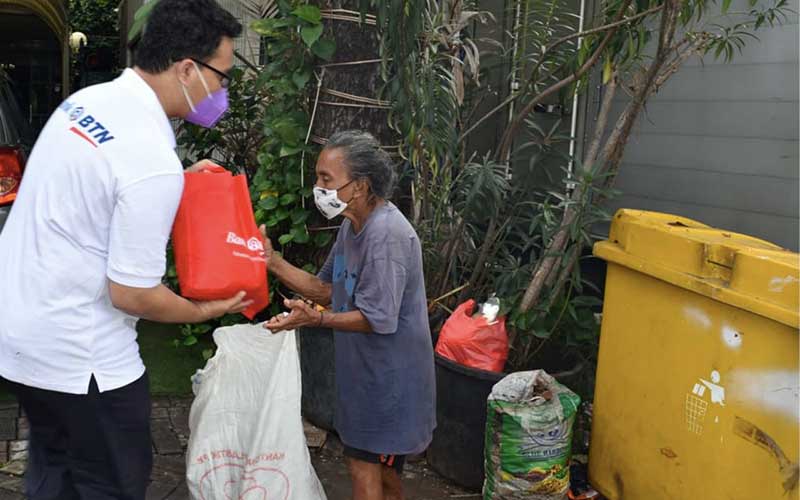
x: 366, y: 160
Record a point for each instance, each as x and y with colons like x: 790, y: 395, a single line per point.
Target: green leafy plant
x: 99, y: 21
x: 517, y: 221
x: 282, y: 184
x: 265, y: 135
x: 140, y: 19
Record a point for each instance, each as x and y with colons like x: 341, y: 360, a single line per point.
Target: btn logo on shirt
x: 86, y: 126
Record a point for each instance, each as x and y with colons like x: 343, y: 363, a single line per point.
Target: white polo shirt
x: 97, y: 202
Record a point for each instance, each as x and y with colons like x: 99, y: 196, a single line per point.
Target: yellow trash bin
x: 697, y: 393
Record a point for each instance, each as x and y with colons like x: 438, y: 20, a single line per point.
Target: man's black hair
x: 181, y: 29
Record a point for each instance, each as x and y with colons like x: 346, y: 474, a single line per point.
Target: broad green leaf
x: 208, y: 354
x: 586, y: 301
x: 262, y: 80
x: 269, y: 203
x: 324, y: 49
x: 140, y: 19
x: 299, y: 117
x: 311, y: 34
x: 190, y: 340
x: 269, y: 26
x: 289, y: 151
x: 288, y: 131
x: 292, y: 179
x: 288, y: 198
x: 284, y: 239
x: 299, y: 216
x: 145, y: 9
x: 323, y: 239
x: 272, y: 222
x: 300, y: 234
x: 136, y: 28
x: 274, y: 69
x: 542, y: 334
x: 301, y: 78
x: 309, y: 13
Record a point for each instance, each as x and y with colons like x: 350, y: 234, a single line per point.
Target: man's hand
x: 211, y: 309
x: 162, y: 305
x: 201, y: 166
x: 301, y: 315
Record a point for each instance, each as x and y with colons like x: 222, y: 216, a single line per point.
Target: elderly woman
x: 374, y: 284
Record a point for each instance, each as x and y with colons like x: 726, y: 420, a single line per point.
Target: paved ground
x: 419, y: 481
x: 170, y: 435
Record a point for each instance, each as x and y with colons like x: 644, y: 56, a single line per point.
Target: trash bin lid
x: 736, y: 269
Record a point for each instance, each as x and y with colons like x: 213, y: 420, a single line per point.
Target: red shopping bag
x: 218, y: 247
x: 474, y: 342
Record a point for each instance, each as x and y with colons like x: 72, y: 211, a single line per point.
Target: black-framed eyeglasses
x: 224, y: 78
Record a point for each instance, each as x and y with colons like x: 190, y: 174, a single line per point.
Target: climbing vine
x: 265, y: 135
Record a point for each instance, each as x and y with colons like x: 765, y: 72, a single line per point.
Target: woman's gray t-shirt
x: 386, y: 388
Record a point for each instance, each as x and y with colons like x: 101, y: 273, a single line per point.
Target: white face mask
x: 328, y: 202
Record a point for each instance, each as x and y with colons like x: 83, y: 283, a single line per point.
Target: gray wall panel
x: 769, y: 82
x: 719, y: 143
x: 764, y: 195
x: 732, y: 119
x: 756, y: 157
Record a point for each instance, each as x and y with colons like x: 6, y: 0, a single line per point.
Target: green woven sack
x: 529, y: 438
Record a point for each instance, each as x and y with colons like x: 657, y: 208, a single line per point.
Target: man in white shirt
x: 84, y: 250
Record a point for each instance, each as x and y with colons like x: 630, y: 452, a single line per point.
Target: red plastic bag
x: 472, y: 341
x: 218, y: 247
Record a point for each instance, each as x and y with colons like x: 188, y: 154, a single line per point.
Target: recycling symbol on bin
x: 696, y: 404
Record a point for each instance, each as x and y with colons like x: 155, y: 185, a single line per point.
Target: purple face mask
x: 210, y: 110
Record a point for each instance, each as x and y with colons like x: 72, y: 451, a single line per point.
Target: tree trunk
x: 615, y: 147
x: 612, y: 152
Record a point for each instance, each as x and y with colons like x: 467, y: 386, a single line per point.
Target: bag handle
x: 465, y: 308
x: 212, y: 169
